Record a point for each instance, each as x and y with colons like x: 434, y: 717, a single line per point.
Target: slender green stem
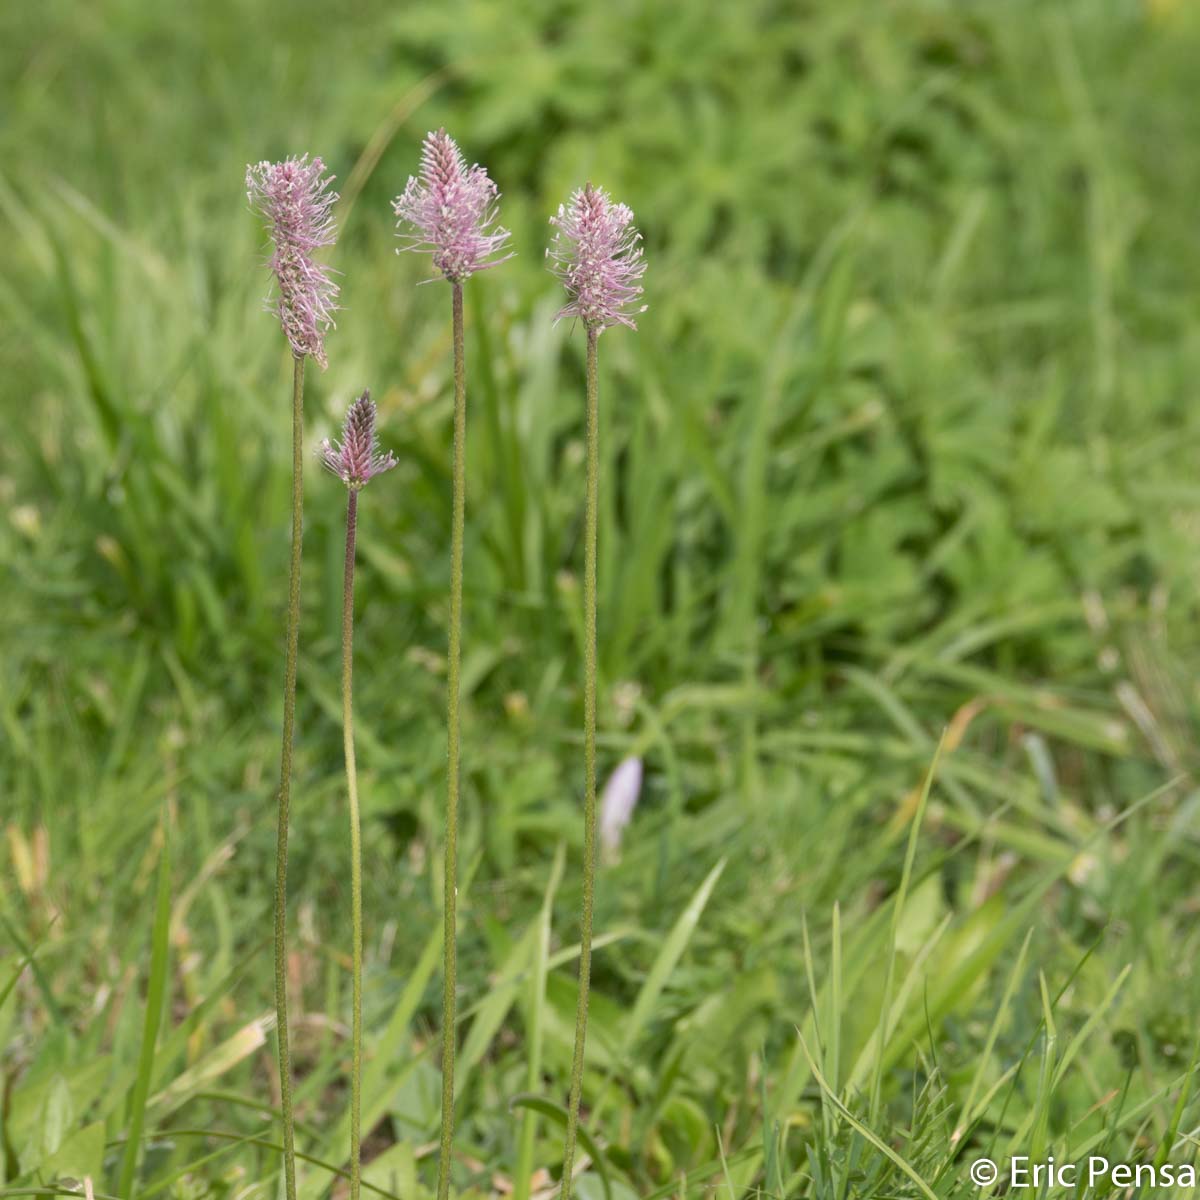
x: 589, y: 756
x: 453, y: 665
x: 355, y: 846
x: 285, y: 781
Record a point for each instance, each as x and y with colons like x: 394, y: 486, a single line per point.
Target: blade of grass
x: 862, y: 1129
x: 558, y: 1114
x: 910, y: 855
x: 155, y: 993
x: 985, y: 1057
x: 664, y: 963
x: 833, y: 1023
x: 523, y: 1176
x: 1181, y: 1102
x: 377, y: 1087
x: 262, y: 1143
x: 668, y: 958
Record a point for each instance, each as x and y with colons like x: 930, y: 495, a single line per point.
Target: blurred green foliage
x: 905, y: 439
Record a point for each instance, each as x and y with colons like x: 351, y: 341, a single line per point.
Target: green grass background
x: 906, y: 440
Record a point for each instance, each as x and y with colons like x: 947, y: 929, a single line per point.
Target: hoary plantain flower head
x: 596, y: 253
x: 449, y: 211
x: 295, y: 199
x: 357, y: 459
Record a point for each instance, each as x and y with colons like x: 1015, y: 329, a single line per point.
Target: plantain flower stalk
x: 449, y: 211
x: 355, y: 460
x: 596, y: 252
x: 294, y: 198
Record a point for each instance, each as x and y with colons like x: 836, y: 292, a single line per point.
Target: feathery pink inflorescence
x: 295, y: 201
x: 357, y: 457
x: 452, y: 209
x: 595, y: 251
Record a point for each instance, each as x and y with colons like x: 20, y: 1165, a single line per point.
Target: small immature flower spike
x: 452, y: 210
x: 356, y: 459
x: 295, y: 201
x: 620, y: 798
x: 595, y: 252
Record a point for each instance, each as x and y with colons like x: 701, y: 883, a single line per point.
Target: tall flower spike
x: 452, y: 210
x: 357, y: 459
x: 595, y: 251
x: 295, y: 201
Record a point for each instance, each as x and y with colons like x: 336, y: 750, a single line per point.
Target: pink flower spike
x: 356, y: 459
x: 295, y: 201
x: 452, y: 211
x: 595, y: 251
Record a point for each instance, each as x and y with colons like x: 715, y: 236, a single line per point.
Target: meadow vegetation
x: 902, y: 457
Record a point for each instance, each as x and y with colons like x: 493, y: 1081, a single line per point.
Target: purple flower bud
x: 595, y: 253
x: 295, y: 201
x: 617, y: 804
x: 357, y: 458
x: 452, y: 209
